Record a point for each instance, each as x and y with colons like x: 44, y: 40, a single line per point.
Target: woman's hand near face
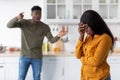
x: 81, y: 30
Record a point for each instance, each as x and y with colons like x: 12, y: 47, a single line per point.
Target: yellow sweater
x: 93, y: 53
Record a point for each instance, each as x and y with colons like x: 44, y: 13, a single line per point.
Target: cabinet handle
x: 68, y: 14
x: 1, y: 66
x: 63, y: 72
x: 52, y: 59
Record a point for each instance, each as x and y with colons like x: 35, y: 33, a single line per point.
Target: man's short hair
x: 36, y: 8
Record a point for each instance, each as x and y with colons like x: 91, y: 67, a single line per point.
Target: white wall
x: 8, y: 10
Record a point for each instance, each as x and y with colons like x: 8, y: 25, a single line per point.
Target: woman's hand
x: 81, y: 30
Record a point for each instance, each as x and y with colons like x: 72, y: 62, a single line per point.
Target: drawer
x: 2, y: 60
x: 11, y: 59
x: 53, y: 59
x: 114, y: 59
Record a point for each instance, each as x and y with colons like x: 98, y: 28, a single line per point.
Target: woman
x: 94, y: 50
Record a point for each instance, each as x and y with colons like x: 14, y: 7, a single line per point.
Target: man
x: 33, y: 32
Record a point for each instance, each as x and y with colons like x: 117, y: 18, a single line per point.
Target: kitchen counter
x: 47, y: 54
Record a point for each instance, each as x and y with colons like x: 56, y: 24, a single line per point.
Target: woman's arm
x: 100, y: 54
x: 79, y: 49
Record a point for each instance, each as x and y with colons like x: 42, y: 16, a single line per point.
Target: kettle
x: 2, y: 49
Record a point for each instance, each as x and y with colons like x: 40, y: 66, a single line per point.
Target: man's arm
x: 51, y: 38
x: 56, y: 38
x: 16, y: 22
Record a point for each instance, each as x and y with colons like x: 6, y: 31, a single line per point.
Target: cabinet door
x: 56, y: 9
x: 29, y: 75
x: 53, y: 68
x: 2, y: 71
x: 12, y: 69
x: 64, y: 11
x: 109, y: 9
x: 114, y: 62
x: 72, y: 68
x: 79, y: 6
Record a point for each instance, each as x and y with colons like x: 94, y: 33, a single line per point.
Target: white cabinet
x: 114, y: 62
x: 109, y: 10
x: 29, y: 75
x: 72, y: 68
x: 61, y: 68
x: 70, y: 11
x: 2, y: 68
x: 2, y: 71
x: 64, y: 11
x: 12, y: 69
x: 53, y: 68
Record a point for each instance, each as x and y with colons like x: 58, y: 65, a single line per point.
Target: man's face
x: 36, y: 15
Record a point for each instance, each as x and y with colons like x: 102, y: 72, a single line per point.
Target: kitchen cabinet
x: 72, y: 68
x: 70, y: 11
x: 114, y: 62
x: 2, y: 71
x: 61, y: 68
x: 64, y: 11
x: 110, y: 10
x: 12, y: 69
x: 2, y: 68
x: 53, y: 68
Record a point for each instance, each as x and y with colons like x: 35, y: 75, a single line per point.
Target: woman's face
x: 88, y: 30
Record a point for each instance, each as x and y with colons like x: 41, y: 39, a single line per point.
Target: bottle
x: 45, y: 45
x: 1, y: 47
x: 57, y: 46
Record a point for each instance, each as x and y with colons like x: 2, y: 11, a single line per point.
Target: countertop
x: 49, y: 54
x: 45, y: 54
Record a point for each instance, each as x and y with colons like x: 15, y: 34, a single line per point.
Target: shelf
x: 51, y: 1
x: 77, y: 1
x: 87, y: 3
x: 62, y: 21
x: 50, y: 4
x: 77, y: 4
x: 112, y: 20
x: 76, y: 21
x: 82, y: 3
x: 114, y: 4
x: 60, y: 3
x: 109, y: 4
x: 103, y: 4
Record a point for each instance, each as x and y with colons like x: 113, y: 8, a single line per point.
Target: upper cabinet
x: 56, y: 9
x: 70, y: 11
x: 79, y: 6
x: 110, y: 10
